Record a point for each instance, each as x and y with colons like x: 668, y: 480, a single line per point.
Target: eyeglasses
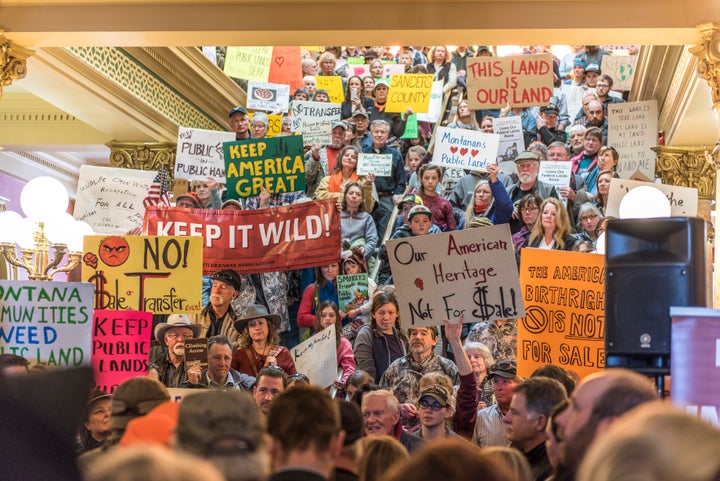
x: 176, y: 335
x: 433, y: 406
x: 529, y: 209
x: 588, y: 217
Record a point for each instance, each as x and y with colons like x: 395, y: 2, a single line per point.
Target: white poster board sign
x: 111, y: 199
x: 621, y: 69
x: 466, y: 149
x: 312, y: 111
x: 557, y: 173
x: 317, y: 357
x: 633, y: 130
x: 378, y: 164
x: 574, y: 95
x: 439, y: 276
x: 316, y: 132
x: 48, y: 323
x: 268, y: 96
x: 683, y: 200
x: 512, y: 140
x: 200, y: 154
x: 435, y: 106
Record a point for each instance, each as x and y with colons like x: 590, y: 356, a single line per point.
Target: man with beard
x: 217, y: 317
x: 595, y: 117
x: 402, y: 377
x: 271, y: 381
x: 218, y: 374
x: 585, y: 164
x: 596, y: 402
x: 528, y: 166
x: 489, y: 427
x: 170, y: 369
x: 320, y: 161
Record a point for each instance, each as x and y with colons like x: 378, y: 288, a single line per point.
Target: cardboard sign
x: 120, y: 346
x: 436, y: 104
x: 352, y: 290
x: 465, y: 149
x: 621, y: 68
x: 439, y: 276
x: 557, y: 173
x: 266, y: 240
x: 632, y: 130
x: 517, y: 80
x: 409, y: 90
x: 695, y: 367
x: 196, y: 353
x: 111, y: 199
x: 564, y: 323
x: 574, y: 95
x: 268, y: 96
x: 379, y: 164
x: 249, y: 63
x: 48, y: 323
x: 316, y: 132
x: 511, y: 139
x: 200, y: 154
x: 286, y: 67
x: 303, y: 111
x: 162, y: 275
x: 276, y: 164
x: 317, y: 357
x: 683, y: 200
x: 334, y: 86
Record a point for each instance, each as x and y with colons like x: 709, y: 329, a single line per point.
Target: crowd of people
x: 404, y: 404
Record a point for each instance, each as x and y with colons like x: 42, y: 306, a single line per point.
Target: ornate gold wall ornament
x: 686, y: 167
x: 13, y: 59
x: 708, y: 54
x: 143, y: 155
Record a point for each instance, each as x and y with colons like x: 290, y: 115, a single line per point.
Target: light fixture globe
x: 44, y: 198
x: 644, y: 202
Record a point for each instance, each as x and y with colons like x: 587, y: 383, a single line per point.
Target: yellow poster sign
x: 409, y: 90
x: 564, y: 323
x: 162, y: 275
x: 249, y: 63
x: 334, y: 86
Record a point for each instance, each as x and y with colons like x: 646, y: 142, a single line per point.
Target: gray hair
x: 383, y: 123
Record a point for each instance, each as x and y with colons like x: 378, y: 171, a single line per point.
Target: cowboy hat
x: 176, y: 320
x: 257, y: 311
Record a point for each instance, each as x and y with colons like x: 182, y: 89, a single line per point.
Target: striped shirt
x: 489, y: 428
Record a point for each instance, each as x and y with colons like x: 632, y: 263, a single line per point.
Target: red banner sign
x: 254, y: 241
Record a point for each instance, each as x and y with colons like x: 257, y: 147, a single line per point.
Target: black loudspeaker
x: 651, y: 264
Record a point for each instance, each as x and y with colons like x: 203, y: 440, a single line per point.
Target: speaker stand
x: 655, y: 367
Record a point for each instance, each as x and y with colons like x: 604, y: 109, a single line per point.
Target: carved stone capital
x: 143, y: 155
x: 708, y: 54
x: 686, y: 167
x: 13, y: 60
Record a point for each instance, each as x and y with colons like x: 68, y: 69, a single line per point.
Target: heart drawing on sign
x: 474, y: 152
x: 453, y: 149
x: 463, y: 151
x: 279, y: 61
x: 419, y: 283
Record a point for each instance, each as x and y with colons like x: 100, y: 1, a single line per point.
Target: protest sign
x: 317, y: 357
x: 695, y: 366
x: 274, y: 125
x: 378, y: 164
x: 574, y: 95
x: 465, y: 149
x: 110, y: 200
x: 48, y: 323
x: 683, y: 200
x: 409, y: 90
x: 440, y: 276
x: 249, y: 63
x: 162, y: 275
x: 120, y: 346
x: 286, y: 67
x: 196, y: 353
x: 518, y: 80
x: 511, y: 139
x: 352, y: 291
x: 303, y: 111
x: 564, y: 323
x: 358, y: 70
x: 391, y: 68
x: 276, y: 164
x: 632, y: 130
x: 200, y: 154
x: 268, y: 96
x: 356, y: 60
x: 411, y: 127
x: 316, y: 132
x: 334, y: 86
x: 557, y: 173
x: 251, y: 241
x: 435, y: 106
x: 621, y: 69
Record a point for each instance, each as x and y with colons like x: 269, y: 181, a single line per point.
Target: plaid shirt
x: 276, y: 200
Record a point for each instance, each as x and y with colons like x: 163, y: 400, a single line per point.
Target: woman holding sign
x: 490, y: 200
x: 259, y: 343
x: 553, y: 231
x: 328, y: 314
x: 380, y: 343
x: 356, y: 224
x: 344, y: 172
x: 355, y: 99
x: 441, y: 65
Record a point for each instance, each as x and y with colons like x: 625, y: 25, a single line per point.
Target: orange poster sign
x: 564, y: 323
x: 286, y: 67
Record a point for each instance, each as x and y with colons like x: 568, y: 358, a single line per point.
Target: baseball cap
x: 381, y: 81
x: 526, y: 155
x: 550, y: 109
x: 593, y: 67
x: 506, y: 369
x: 417, y: 210
x: 237, y: 110
x: 229, y: 277
x: 342, y: 125
x: 579, y: 63
x: 136, y: 397
x: 219, y: 422
x: 191, y: 196
x: 361, y: 113
x: 412, y: 199
x: 438, y: 393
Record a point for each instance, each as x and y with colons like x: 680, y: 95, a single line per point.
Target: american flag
x: 158, y: 193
